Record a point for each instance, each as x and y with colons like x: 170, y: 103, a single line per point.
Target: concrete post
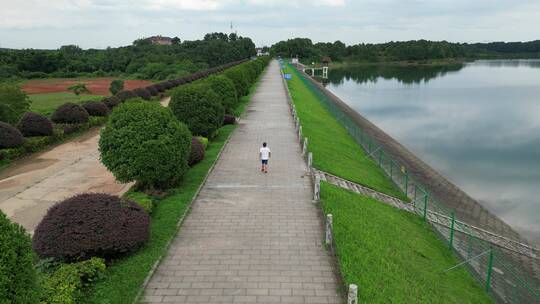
x: 310, y: 161
x: 352, y: 296
x: 305, y: 146
x: 329, y: 228
x: 297, y: 124
x: 300, y: 133
x: 317, y: 189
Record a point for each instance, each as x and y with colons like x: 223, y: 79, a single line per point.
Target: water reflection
x: 479, y: 124
x: 403, y: 74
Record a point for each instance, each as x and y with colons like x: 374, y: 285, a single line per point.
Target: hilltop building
x: 161, y: 40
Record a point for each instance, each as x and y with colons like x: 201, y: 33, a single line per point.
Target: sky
x: 102, y: 23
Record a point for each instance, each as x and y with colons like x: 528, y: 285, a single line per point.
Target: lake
x: 477, y: 123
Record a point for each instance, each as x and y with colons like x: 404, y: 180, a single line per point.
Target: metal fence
x: 496, y: 274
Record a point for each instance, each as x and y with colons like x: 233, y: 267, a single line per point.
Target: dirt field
x: 97, y: 86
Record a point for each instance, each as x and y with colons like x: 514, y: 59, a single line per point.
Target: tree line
x: 142, y: 59
x: 414, y: 50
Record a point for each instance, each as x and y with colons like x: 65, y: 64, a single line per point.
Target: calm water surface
x: 477, y: 123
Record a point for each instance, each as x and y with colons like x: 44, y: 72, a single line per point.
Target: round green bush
x: 224, y: 87
x: 240, y: 80
x: 91, y: 225
x: 18, y: 277
x: 144, y: 142
x: 10, y: 137
x: 199, y: 107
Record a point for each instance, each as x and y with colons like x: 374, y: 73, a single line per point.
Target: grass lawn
x: 46, y: 103
x: 334, y: 150
x: 392, y: 255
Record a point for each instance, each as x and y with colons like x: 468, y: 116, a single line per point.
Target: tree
x: 175, y: 41
x: 79, y: 88
x: 116, y: 86
x: 13, y: 103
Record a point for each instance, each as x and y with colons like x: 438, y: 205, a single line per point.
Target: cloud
x: 42, y: 23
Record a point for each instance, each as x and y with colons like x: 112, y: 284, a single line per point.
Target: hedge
x: 144, y: 142
x: 199, y: 107
x: 224, y: 87
x: 18, y: 278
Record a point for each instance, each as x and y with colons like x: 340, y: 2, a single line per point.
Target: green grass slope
x: 392, y: 255
x: 334, y: 150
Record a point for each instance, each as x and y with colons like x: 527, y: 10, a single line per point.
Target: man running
x: 264, y: 154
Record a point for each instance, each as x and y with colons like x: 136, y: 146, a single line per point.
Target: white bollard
x: 352, y: 296
x: 317, y: 189
x: 300, y: 133
x: 304, y: 147
x: 310, y: 161
x: 329, y: 227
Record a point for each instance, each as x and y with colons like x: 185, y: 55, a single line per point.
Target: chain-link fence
x: 487, y: 263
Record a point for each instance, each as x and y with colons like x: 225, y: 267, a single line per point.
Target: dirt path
x: 30, y: 186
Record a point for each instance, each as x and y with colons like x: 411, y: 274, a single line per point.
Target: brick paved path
x: 252, y: 237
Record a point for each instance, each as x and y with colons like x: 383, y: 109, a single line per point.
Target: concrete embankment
x: 467, y: 209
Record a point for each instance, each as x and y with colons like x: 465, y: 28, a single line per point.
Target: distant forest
x: 142, y: 59
x: 415, y: 50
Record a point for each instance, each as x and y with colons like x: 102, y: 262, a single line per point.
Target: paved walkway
x: 252, y: 237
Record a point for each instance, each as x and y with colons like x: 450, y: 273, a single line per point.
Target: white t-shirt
x: 265, y: 153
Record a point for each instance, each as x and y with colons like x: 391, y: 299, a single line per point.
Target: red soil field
x: 97, y: 86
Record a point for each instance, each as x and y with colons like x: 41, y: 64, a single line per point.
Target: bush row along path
x: 252, y: 237
x: 30, y: 186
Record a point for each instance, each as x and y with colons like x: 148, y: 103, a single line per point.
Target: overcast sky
x: 102, y: 23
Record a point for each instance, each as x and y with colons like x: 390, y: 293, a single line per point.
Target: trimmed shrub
x: 229, y: 119
x: 13, y: 103
x: 34, y: 124
x: 224, y: 87
x: 125, y: 95
x: 18, y: 277
x: 153, y: 90
x: 70, y: 113
x: 141, y: 199
x: 65, y: 284
x: 197, y: 151
x: 240, y: 80
x: 143, y: 93
x: 204, y: 141
x: 111, y: 101
x: 116, y: 86
x: 96, y: 108
x: 160, y: 87
x: 91, y: 224
x: 199, y: 107
x: 144, y: 142
x: 10, y: 137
